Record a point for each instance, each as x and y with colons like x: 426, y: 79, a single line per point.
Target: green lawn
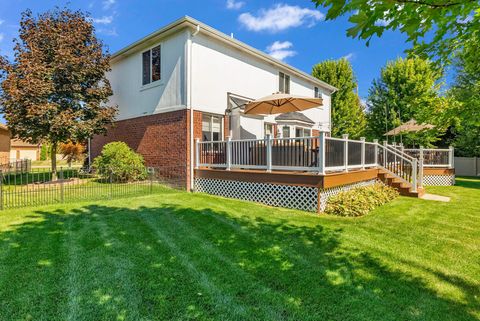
x: 180, y: 256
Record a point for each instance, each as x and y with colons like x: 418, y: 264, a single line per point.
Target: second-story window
x: 317, y: 92
x: 283, y: 83
x: 151, y: 62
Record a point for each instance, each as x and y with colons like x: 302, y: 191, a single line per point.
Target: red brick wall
x: 162, y: 139
x: 315, y: 133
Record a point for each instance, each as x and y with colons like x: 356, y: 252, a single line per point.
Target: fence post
x: 268, y: 141
x: 61, y: 185
x: 1, y: 190
x: 401, y: 147
x: 450, y: 157
x: 345, y: 151
x: 229, y: 153
x: 362, y: 152
x: 321, y: 153
x: 111, y: 182
x: 197, y: 152
x: 375, y: 141
x: 151, y: 172
x: 420, y: 167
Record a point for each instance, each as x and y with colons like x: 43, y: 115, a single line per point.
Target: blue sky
x: 291, y: 29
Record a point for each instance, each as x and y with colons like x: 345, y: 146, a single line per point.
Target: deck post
x: 385, y: 144
x: 321, y: 154
x: 394, y: 144
x: 229, y: 153
x: 362, y: 152
x: 268, y: 143
x: 420, y: 167
x: 197, y: 152
x: 345, y: 151
x: 375, y: 141
x: 450, y: 157
x: 414, y: 175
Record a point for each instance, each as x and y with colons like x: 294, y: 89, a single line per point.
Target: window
x: 317, y: 93
x: 268, y: 129
x: 302, y: 132
x: 211, y: 128
x: 151, y: 62
x: 286, y: 132
x: 283, y: 83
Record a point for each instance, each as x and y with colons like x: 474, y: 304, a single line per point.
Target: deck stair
x: 401, y: 186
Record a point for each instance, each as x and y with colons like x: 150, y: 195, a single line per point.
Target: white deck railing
x: 432, y: 157
x: 320, y: 154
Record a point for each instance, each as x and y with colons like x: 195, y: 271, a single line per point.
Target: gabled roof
x: 294, y: 116
x: 188, y: 22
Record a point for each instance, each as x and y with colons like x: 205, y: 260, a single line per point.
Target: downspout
x: 189, y: 102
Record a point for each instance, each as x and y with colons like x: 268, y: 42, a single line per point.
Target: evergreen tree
x: 347, y: 112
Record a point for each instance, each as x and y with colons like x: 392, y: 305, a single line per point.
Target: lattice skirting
x: 280, y: 195
x: 439, y: 180
x: 289, y: 196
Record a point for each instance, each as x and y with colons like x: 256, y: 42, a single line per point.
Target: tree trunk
x: 53, y: 155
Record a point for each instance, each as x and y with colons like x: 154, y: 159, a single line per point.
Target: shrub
x: 359, y: 201
x: 120, y: 161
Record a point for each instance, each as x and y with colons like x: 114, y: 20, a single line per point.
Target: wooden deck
x: 328, y: 180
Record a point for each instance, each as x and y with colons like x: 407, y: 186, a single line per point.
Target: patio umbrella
x: 281, y: 103
x: 409, y: 126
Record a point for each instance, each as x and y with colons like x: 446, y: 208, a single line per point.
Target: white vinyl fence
x: 467, y: 166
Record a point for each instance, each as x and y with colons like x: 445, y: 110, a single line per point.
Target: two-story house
x: 187, y: 81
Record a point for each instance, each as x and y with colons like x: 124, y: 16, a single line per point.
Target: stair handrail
x: 412, y: 161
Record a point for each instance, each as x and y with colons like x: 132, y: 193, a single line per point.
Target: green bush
x: 120, y: 161
x: 359, y: 201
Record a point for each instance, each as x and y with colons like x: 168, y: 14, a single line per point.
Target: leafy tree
x: 55, y: 90
x: 121, y: 161
x: 466, y: 92
x: 434, y: 27
x: 347, y: 112
x: 72, y: 152
x: 407, y: 89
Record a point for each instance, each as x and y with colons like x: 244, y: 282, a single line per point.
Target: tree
x: 407, y: 89
x: 347, y: 112
x: 72, y: 152
x: 55, y: 90
x: 436, y: 28
x: 466, y: 92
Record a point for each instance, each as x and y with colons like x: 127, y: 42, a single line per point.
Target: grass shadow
x: 172, y: 262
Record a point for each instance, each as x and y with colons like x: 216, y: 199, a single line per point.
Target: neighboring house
x: 189, y: 81
x: 20, y: 149
x: 4, y: 144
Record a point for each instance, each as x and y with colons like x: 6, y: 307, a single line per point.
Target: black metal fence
x: 38, y: 186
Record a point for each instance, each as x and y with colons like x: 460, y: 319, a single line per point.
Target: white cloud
x: 1, y: 36
x: 349, y: 56
x: 383, y: 22
x: 235, y: 5
x: 1, y: 21
x: 107, y: 4
x: 108, y: 32
x: 280, y: 17
x: 105, y: 20
x: 281, y: 50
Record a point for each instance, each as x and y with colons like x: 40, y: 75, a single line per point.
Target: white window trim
x: 222, y: 123
x: 285, y: 75
x: 303, y: 128
x: 155, y: 83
